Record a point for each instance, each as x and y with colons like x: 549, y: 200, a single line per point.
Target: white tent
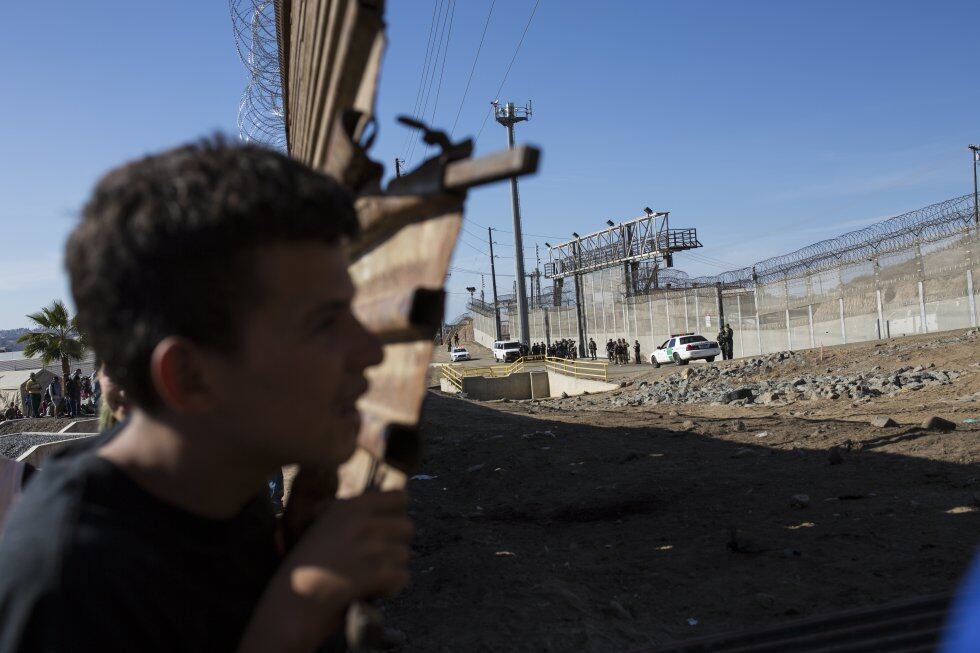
x: 12, y: 386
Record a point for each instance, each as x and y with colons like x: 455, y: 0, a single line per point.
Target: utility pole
x: 493, y: 280
x: 398, y: 167
x: 976, y: 205
x: 579, y: 297
x: 508, y: 117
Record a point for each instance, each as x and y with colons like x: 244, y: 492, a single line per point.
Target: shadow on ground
x: 545, y: 535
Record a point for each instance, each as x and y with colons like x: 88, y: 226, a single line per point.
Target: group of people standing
x: 79, y: 397
x: 618, y: 351
x: 558, y: 349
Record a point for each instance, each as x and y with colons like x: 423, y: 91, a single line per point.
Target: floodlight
x: 647, y: 210
x: 610, y: 223
x: 548, y: 245
x: 576, y: 235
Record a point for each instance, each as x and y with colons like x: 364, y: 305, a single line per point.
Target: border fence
x: 910, y: 274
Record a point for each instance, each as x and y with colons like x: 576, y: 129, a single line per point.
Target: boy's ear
x: 177, y: 369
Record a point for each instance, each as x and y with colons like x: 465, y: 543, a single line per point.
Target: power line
x: 443, y: 20
x: 473, y: 68
x: 425, y: 65
x: 442, y: 72
x: 509, y: 66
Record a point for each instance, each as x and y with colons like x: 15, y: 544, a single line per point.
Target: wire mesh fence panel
x: 914, y: 273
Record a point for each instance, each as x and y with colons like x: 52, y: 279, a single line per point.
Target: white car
x: 682, y: 348
x: 459, y: 354
x: 505, y: 351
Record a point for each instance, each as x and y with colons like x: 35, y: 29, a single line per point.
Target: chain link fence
x: 910, y: 274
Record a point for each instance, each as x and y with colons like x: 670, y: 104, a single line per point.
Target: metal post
x: 809, y: 310
x: 922, y: 307
x: 843, y: 329
x: 579, y: 300
x: 687, y: 320
x: 547, y: 325
x: 666, y: 310
x: 626, y: 316
x: 721, y: 305
x: 881, y: 318
x: 508, y: 117
x: 697, y: 311
x: 758, y: 324
x: 595, y: 318
x: 493, y: 279
x: 741, y: 327
x: 650, y: 311
x: 970, y: 299
x: 605, y: 328
x: 920, y: 271
x: 976, y: 204
x: 881, y: 314
x: 789, y: 331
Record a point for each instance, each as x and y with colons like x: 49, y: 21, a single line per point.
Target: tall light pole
x: 976, y: 205
x: 508, y: 116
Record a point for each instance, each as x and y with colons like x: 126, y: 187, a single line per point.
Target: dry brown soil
x: 592, y: 528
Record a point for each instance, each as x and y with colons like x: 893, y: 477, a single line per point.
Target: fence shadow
x: 542, y: 534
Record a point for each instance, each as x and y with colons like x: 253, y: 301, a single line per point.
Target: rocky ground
x: 671, y: 508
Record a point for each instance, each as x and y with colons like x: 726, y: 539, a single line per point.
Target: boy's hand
x: 356, y: 549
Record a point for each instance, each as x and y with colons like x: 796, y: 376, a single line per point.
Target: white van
x: 505, y: 351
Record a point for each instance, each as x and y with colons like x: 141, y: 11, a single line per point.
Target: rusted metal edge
x: 909, y: 624
x: 400, y: 316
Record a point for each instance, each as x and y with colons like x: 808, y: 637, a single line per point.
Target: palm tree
x: 57, y: 338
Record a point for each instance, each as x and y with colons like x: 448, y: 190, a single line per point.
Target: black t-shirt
x: 90, y: 561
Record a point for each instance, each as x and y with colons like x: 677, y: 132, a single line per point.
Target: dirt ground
x: 594, y: 528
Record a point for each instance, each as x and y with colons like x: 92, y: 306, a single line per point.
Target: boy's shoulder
x: 86, y: 542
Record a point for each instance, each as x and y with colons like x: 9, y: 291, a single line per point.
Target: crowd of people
x: 79, y: 398
x: 558, y: 349
x: 618, y: 351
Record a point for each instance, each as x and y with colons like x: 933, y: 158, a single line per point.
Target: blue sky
x: 765, y: 124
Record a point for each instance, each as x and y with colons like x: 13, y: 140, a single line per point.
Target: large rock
x: 883, y: 422
x: 735, y: 395
x: 936, y: 423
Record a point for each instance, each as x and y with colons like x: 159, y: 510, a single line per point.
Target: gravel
x: 737, y: 385
x: 36, y: 425
x: 17, y: 444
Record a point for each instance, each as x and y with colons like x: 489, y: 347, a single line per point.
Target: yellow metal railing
x: 579, y: 368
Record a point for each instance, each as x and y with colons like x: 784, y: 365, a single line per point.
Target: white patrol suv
x: 683, y: 348
x: 459, y: 354
x: 506, y: 351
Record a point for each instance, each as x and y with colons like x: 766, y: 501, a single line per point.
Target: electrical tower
x: 508, y: 116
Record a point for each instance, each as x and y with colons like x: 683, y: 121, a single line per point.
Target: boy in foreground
x: 202, y: 276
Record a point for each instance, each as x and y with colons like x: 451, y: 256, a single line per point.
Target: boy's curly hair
x: 166, y: 243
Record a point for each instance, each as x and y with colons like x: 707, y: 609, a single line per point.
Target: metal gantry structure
x: 648, y: 240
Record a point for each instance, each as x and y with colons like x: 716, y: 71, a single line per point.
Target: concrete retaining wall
x: 562, y: 383
x: 540, y: 385
x: 38, y: 453
x: 515, y: 386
